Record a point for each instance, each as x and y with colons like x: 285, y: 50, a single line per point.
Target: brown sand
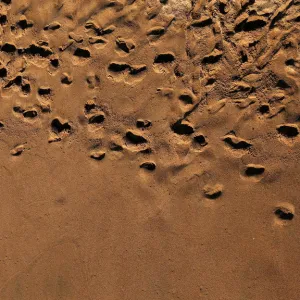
x: 149, y: 149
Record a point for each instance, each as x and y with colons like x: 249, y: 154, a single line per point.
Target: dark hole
x: 222, y: 7
x: 178, y: 72
x: 134, y: 138
x: 98, y: 156
x: 3, y: 19
x: 54, y: 62
x: 97, y: 119
x: 36, y: 50
x: 146, y: 151
x: 123, y: 46
x: 18, y: 109
x: 163, y: 1
x: 58, y: 127
x: 290, y: 62
x: 244, y: 57
x: 264, y: 109
x: 9, y: 48
x: 211, y: 59
x: 30, y: 114
x: 115, y: 67
x: 97, y: 41
x: 254, y: 171
x: 44, y: 91
x: 182, y: 129
x: 157, y: 31
x: 6, y: 1
x: 26, y: 88
x: 135, y: 71
x: 52, y: 27
x: 279, y: 16
x: 1, y: 125
x: 200, y: 139
x: 282, y: 84
x: 187, y: 99
x: 3, y: 72
x: 66, y: 80
x: 297, y: 19
x: 200, y: 24
x: 164, y: 58
x: 82, y: 53
x: 88, y: 107
x: 148, y: 166
x: 143, y: 123
x: 210, y: 81
x: 237, y: 145
x: 115, y: 147
x: 214, y: 195
x: 105, y: 31
x: 23, y: 24
x: 253, y: 25
x: 239, y: 27
x: 288, y: 131
x: 284, y: 214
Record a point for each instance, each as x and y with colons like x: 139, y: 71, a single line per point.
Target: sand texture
x: 150, y: 149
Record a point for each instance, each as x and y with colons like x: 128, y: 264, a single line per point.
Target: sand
x: 149, y: 149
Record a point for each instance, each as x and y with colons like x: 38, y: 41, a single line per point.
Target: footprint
x: 135, y: 138
x: 44, y: 91
x: 284, y: 213
x: 82, y: 53
x: 288, y: 130
x: 164, y: 58
x: 24, y: 24
x: 156, y: 32
x: 149, y: 166
x: 30, y: 114
x: 124, y: 46
x: 213, y: 191
x: 253, y: 170
x: 213, y: 57
x: 66, y: 79
x: 143, y: 124
x: 59, y: 130
x: 97, y: 155
x: 3, y: 72
x: 202, y: 22
x: 34, y: 50
x: 8, y: 48
x: 52, y: 26
x: 17, y: 150
x: 117, y: 67
x: 186, y: 98
x: 200, y: 140
x: 96, y: 119
x: 182, y: 128
x: 236, y: 143
x: 54, y: 62
x: 93, y: 81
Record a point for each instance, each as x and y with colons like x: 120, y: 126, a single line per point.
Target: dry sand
x: 149, y: 150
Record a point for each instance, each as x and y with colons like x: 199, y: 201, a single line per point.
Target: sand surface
x: 149, y: 149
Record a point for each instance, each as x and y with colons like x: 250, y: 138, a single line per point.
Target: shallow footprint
x: 213, y: 191
x: 17, y: 150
